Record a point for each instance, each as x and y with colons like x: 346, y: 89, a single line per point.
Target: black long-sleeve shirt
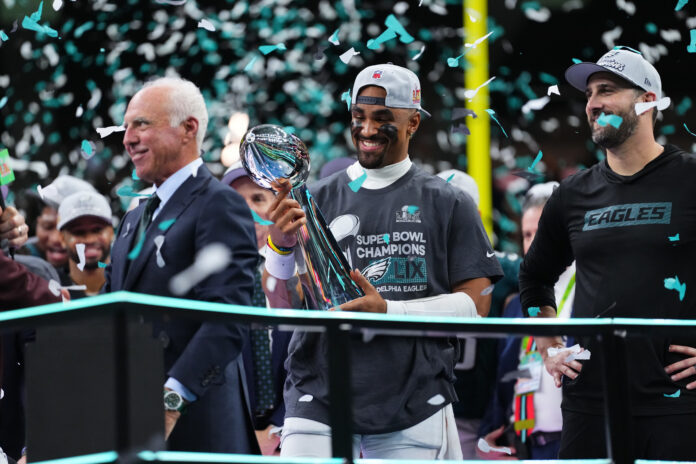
x: 618, y: 230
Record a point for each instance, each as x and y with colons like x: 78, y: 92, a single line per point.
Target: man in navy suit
x: 189, y: 211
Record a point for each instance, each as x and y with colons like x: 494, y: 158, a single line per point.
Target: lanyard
x: 569, y: 287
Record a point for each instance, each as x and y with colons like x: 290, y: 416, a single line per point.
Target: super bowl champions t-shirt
x: 418, y: 237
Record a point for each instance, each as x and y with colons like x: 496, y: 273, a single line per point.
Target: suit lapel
x: 122, y: 245
x: 177, y: 204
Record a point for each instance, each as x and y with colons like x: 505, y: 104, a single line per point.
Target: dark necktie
x: 145, y: 220
x: 261, y: 348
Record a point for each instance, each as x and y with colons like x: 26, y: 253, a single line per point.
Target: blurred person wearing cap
x: 422, y: 251
x: 85, y: 223
x: 188, y: 212
x: 478, y: 360
x: 615, y: 220
x: 525, y: 401
x: 47, y: 243
x: 265, y: 353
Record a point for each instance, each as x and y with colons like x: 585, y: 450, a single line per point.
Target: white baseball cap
x: 402, y: 86
x: 81, y: 204
x: 625, y: 63
x: 61, y: 188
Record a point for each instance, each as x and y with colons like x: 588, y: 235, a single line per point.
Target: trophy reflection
x: 268, y: 154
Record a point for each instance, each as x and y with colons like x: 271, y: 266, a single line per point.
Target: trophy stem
x: 327, y: 269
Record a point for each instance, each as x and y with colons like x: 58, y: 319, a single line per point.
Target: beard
x: 608, y: 136
x: 387, y: 135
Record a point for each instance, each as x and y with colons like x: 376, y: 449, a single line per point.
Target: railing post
x: 340, y: 391
x: 617, y: 402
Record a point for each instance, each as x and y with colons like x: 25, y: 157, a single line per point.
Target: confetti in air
x: 348, y: 55
x: 210, y: 259
x: 259, y: 220
x: 672, y: 283
x: 356, y: 184
x: 676, y: 394
x: 207, y: 25
x: 80, y: 249
x: 533, y: 311
x: 674, y: 238
x: 106, y: 131
x: 611, y: 119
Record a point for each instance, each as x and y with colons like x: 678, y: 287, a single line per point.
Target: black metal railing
x: 610, y: 334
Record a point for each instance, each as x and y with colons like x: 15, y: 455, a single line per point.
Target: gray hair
x: 185, y: 101
x: 538, y: 195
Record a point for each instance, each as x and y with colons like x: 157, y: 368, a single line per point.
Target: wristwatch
x: 173, y: 401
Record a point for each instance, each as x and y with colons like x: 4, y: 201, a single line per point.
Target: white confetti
x: 553, y: 89
x: 541, y: 15
x: 54, y: 287
x: 488, y: 290
x: 486, y: 448
x: 210, y: 259
x: 611, y: 36
x: 105, y: 131
x: 57, y: 4
x: 159, y: 241
x: 80, y: 248
x: 207, y: 25
x: 348, y: 55
x: 670, y: 35
x: 574, y: 352
x: 478, y: 41
x: 418, y: 55
x: 628, y: 7
x: 436, y: 400
x: 469, y: 94
x: 536, y: 104
x: 125, y: 233
x: 271, y: 283
x: 660, y: 104
x: 306, y: 398
x: 584, y: 355
x: 79, y: 111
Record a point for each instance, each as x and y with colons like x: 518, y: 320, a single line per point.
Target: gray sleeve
x: 470, y: 254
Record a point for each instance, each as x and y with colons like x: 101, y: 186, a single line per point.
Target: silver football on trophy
x: 270, y: 153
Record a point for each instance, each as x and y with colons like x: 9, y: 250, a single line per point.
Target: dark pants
x: 668, y: 437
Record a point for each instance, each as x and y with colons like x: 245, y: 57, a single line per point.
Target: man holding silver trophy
x: 416, y: 246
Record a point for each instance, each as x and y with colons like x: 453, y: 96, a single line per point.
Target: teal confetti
x: 680, y: 4
x: 535, y: 162
x: 289, y: 129
x: 651, y: 28
x: 3, y: 36
x: 164, y: 225
x: 672, y: 283
x: 357, y: 183
x: 611, y: 119
x: 691, y: 48
x: 250, y: 64
x: 392, y: 23
x: 373, y: 44
x: 3, y: 101
x: 386, y: 238
x: 101, y: 265
x: 450, y: 177
x: 687, y: 129
x: 334, y: 37
x: 136, y: 250
x: 683, y: 106
x: 676, y: 394
x: 674, y: 238
x: 266, y: 49
x: 412, y: 209
x: 87, y: 149
x: 533, y: 311
x: 492, y: 115
x: 576, y: 61
x: 454, y: 62
x: 624, y: 47
x: 134, y: 176
x: 345, y: 96
x: 260, y: 220
x: 127, y: 191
